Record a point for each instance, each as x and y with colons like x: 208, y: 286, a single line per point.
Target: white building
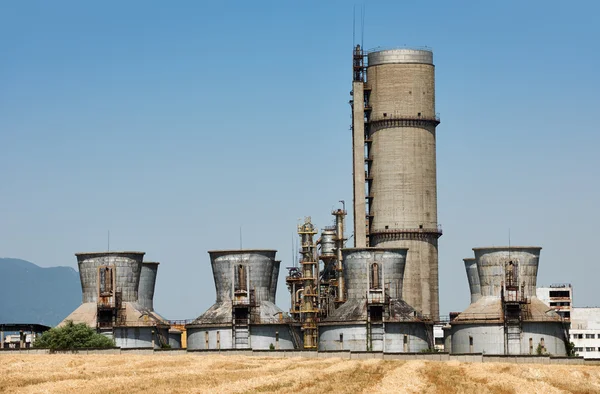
x: 585, y: 331
x: 558, y: 297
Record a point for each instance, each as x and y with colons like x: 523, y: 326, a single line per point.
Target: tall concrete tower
x: 395, y: 194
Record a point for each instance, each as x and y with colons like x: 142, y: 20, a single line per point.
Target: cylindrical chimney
x: 401, y: 179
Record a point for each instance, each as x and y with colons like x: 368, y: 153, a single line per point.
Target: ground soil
x: 92, y: 374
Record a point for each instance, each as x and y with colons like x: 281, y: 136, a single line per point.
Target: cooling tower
x: 394, y: 118
x: 128, y: 266
x: 147, y: 285
x: 492, y: 264
x: 473, y: 277
x: 111, y: 283
x: 244, y: 314
x: 507, y: 318
x: 374, y: 281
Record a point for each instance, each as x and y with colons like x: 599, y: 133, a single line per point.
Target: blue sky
x: 174, y: 125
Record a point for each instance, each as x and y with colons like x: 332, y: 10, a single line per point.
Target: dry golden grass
x: 191, y: 373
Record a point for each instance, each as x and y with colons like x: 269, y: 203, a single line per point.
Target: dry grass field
x: 91, y: 374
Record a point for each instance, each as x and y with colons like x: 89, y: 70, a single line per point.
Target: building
x: 508, y: 318
x: 585, y: 331
x: 117, y: 293
x: 394, y: 164
x: 244, y: 315
x: 558, y: 297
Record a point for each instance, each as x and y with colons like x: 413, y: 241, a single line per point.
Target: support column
x: 358, y: 167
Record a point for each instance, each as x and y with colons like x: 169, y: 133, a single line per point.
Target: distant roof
x: 23, y: 326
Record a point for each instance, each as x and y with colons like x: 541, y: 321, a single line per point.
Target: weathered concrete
x: 347, y: 327
x: 128, y: 266
x: 358, y: 164
x: 260, y: 271
x: 403, y: 168
x: 491, y: 262
x: 473, y: 278
x: 147, y: 285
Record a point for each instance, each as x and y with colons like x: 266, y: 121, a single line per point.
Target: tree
x: 73, y: 336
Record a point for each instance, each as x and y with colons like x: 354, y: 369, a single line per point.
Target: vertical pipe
x: 339, y: 227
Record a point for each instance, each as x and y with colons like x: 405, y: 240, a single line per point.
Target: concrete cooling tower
x: 507, y: 317
x: 111, y: 284
x: 374, y: 316
x: 244, y: 315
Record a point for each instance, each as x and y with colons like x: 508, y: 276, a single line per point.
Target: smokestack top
x: 89, y: 255
x: 400, y: 56
x: 507, y: 248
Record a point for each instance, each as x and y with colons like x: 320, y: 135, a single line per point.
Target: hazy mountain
x: 32, y: 294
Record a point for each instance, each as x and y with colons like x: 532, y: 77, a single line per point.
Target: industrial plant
x: 117, y: 299
x: 379, y: 295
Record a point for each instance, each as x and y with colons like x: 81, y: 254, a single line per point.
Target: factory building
x: 585, y: 331
x: 394, y: 164
x: 117, y: 299
x: 244, y: 315
x: 508, y: 318
x: 558, y: 297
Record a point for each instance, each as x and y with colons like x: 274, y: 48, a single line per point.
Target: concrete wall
x: 134, y: 337
x: 354, y: 338
x: 489, y: 338
x: 552, y: 334
x: 218, y: 338
x: 415, y: 334
x: 147, y: 285
x: 128, y: 266
x: 262, y: 336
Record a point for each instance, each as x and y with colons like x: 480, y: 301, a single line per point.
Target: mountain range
x: 32, y: 294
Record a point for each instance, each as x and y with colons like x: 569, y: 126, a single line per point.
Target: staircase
x: 241, y: 328
x: 295, y: 337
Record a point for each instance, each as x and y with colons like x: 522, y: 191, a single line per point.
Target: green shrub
x: 571, y: 350
x: 73, y: 336
x: 271, y: 347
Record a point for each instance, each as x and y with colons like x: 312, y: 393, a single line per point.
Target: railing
x: 379, y: 49
x: 180, y: 322
x: 437, y: 230
x: 498, y: 316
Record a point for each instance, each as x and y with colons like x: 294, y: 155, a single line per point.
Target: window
x: 590, y: 349
x: 579, y: 336
x: 342, y: 338
x: 578, y: 349
x: 559, y: 293
x: 375, y: 276
x: 590, y: 336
